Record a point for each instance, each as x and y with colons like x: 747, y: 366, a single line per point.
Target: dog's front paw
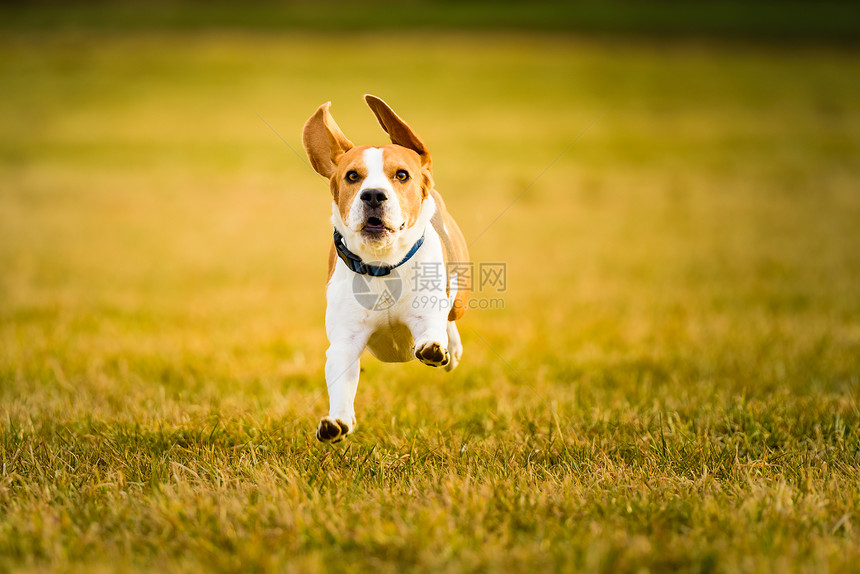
x: 432, y: 354
x: 332, y: 430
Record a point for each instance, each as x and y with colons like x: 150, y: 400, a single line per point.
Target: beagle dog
x: 396, y: 261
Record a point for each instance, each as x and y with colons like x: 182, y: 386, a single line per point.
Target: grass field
x: 672, y: 383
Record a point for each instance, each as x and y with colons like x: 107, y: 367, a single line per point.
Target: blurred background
x: 678, y: 185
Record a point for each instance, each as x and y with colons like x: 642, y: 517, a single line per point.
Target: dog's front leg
x: 430, y: 331
x: 342, y: 367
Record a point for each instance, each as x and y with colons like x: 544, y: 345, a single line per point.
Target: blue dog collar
x: 356, y: 265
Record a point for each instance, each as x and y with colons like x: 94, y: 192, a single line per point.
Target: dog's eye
x: 352, y: 176
x: 402, y: 175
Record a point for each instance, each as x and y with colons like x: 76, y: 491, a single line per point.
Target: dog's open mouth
x: 374, y: 225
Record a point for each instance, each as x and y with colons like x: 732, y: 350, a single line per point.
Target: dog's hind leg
x: 455, y: 346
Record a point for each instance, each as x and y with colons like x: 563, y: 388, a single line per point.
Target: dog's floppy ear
x: 401, y: 134
x: 323, y: 141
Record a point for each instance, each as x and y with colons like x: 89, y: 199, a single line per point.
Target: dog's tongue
x: 374, y: 223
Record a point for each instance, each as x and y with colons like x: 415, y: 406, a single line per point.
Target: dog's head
x: 377, y: 192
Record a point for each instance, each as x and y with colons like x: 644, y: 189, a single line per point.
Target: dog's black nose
x: 373, y: 197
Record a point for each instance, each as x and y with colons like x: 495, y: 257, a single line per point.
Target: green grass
x: 831, y: 21
x: 672, y: 384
